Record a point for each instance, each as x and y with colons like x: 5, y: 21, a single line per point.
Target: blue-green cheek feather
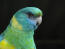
x: 20, y: 31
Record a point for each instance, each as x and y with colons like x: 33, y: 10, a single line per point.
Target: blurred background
x: 51, y: 33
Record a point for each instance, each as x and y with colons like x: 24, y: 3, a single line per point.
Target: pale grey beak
x: 39, y: 20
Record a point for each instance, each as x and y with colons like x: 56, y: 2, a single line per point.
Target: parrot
x: 19, y: 34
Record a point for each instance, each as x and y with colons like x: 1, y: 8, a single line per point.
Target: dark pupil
x: 30, y: 15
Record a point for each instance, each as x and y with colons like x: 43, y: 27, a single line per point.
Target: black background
x: 51, y: 33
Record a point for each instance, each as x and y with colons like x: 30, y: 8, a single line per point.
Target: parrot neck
x: 11, y: 30
x: 17, y: 37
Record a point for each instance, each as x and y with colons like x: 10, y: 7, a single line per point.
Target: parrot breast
x: 5, y: 45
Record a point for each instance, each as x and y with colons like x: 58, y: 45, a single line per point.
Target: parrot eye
x: 30, y: 15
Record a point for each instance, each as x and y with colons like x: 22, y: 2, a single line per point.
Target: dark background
x: 51, y: 33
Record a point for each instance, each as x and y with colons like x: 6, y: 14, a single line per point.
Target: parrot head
x: 29, y: 18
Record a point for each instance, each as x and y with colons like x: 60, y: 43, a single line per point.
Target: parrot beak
x: 39, y: 20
